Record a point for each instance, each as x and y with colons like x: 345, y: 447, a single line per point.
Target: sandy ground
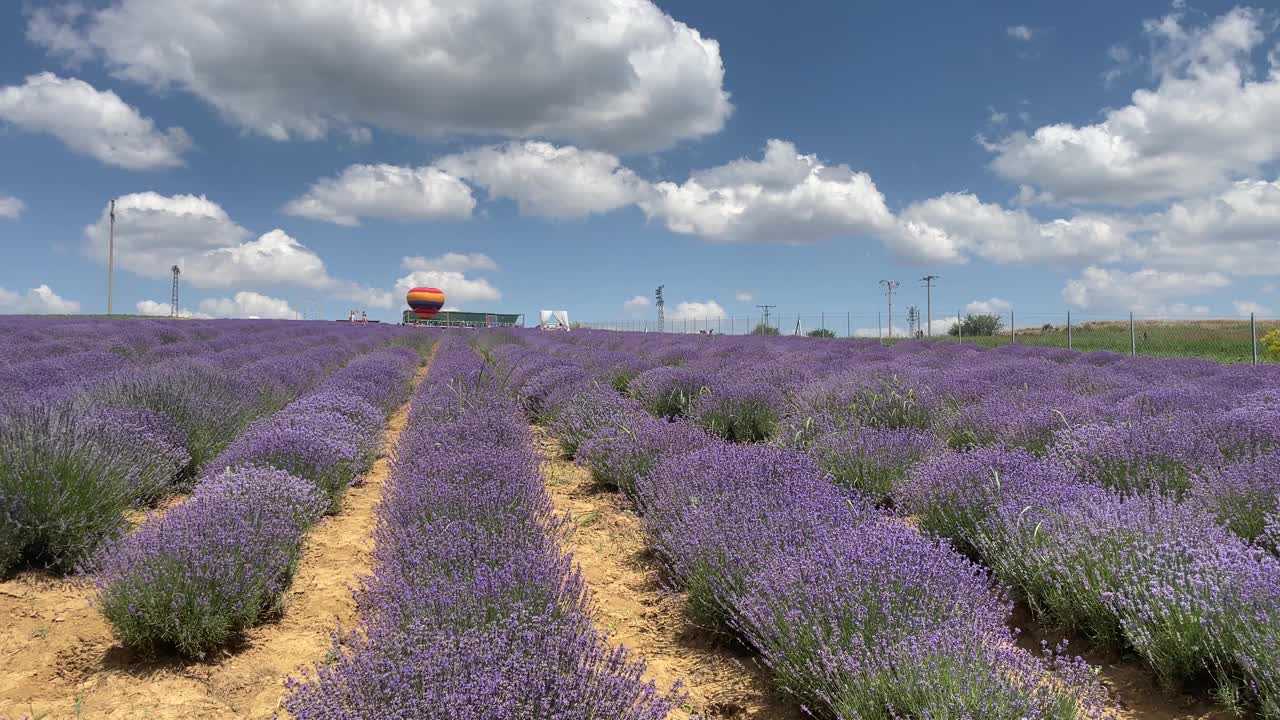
x: 1135, y: 692
x: 630, y: 605
x: 58, y: 658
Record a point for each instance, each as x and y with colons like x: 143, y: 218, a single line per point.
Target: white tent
x: 553, y: 319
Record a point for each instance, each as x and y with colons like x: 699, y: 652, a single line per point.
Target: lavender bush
x: 1155, y: 456
x: 200, y: 574
x: 620, y: 456
x: 668, y: 392
x: 874, y: 462
x: 737, y: 411
x: 208, y: 406
x: 882, y: 623
x: 67, y: 478
x: 473, y: 610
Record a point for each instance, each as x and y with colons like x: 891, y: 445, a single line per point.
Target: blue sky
x: 1095, y: 156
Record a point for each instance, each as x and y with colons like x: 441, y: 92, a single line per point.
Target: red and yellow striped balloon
x: 425, y: 301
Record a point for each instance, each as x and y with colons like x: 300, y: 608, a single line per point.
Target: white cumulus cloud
x: 41, y: 300
x: 636, y: 305
x: 1210, y: 120
x: 247, y: 304
x: 619, y: 75
x: 385, y: 192
x: 1020, y: 32
x: 460, y: 262
x: 459, y: 290
x: 564, y: 183
x: 1145, y: 291
x: 993, y: 306
x: 697, y: 311
x: 786, y: 197
x: 1248, y: 307
x: 954, y: 226
x: 156, y: 308
x: 154, y: 232
x: 1234, y: 231
x: 91, y: 122
x: 11, y: 207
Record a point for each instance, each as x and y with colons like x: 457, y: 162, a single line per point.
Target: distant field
x: 1225, y: 341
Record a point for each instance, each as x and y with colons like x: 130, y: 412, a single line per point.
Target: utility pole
x: 890, y: 286
x: 173, y: 301
x: 928, y: 284
x: 766, y: 309
x: 111, y: 255
x: 913, y: 317
x: 662, y: 312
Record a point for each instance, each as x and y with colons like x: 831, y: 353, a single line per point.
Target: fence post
x: 1133, y: 337
x: 1069, y: 330
x: 1253, y: 336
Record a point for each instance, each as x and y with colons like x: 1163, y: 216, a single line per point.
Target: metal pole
x: 1013, y: 328
x: 1133, y: 338
x: 1069, y: 330
x: 824, y: 323
x: 959, y: 327
x: 1253, y: 336
x: 111, y: 256
x: 928, y: 284
x: 848, y: 324
x: 879, y: 327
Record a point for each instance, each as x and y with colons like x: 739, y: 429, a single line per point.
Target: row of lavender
x: 53, y: 358
x: 196, y: 576
x: 76, y: 454
x: 857, y: 615
x: 1105, y: 491
x: 474, y: 610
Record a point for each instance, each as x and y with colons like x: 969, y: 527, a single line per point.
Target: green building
x: 453, y: 318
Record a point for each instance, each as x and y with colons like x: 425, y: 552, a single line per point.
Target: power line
x: 766, y: 309
x: 928, y: 283
x: 890, y: 286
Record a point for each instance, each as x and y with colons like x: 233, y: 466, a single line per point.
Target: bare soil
x: 1136, y: 693
x: 58, y: 658
x: 631, y: 605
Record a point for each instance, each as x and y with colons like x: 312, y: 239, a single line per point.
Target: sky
x: 299, y: 157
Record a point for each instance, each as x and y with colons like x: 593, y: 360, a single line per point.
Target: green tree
x: 763, y: 329
x: 822, y: 333
x: 973, y: 325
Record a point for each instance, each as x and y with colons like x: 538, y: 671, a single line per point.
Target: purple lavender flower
x: 1243, y: 496
x: 738, y: 411
x: 668, y: 391
x: 209, y: 568
x: 1159, y: 455
x: 873, y: 461
x: 619, y: 456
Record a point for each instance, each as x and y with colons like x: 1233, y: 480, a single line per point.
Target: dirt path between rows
x: 632, y: 607
x: 1136, y: 694
x: 58, y: 658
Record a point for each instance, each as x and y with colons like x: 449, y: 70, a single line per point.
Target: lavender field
x: 311, y: 520
x: 869, y: 521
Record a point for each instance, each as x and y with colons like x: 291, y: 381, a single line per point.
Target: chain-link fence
x: 1237, y: 340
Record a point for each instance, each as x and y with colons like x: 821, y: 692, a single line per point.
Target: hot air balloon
x: 425, y: 301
